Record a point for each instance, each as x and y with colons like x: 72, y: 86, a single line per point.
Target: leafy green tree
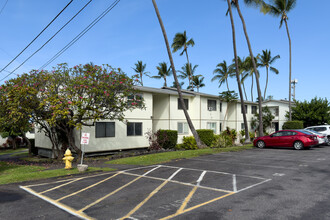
x: 181, y: 41
x: 140, y: 70
x: 267, y: 119
x: 247, y: 137
x: 314, y: 112
x: 163, y: 72
x: 199, y: 143
x: 222, y: 73
x: 266, y: 60
x: 65, y: 99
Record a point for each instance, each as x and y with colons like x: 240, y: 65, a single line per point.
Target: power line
x: 3, y: 7
x: 47, y: 40
x: 37, y: 36
x: 82, y: 33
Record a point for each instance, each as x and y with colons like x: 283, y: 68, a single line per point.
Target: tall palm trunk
x: 287, y: 30
x: 141, y: 79
x: 244, y: 90
x: 199, y: 143
x: 266, y: 83
x: 252, y: 89
x: 247, y: 137
x: 227, y: 85
x: 189, y: 76
x: 261, y: 130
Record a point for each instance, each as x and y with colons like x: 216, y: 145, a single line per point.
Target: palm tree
x: 249, y: 71
x: 174, y: 85
x: 236, y: 4
x: 222, y: 73
x: 266, y: 60
x: 282, y: 8
x: 163, y: 72
x: 140, y: 69
x: 199, y: 143
x: 188, y: 73
x: 197, y: 82
x: 247, y: 137
x: 241, y: 70
x: 181, y: 41
x: 229, y: 97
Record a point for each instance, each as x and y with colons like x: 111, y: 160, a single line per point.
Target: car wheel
x: 328, y: 140
x: 261, y: 144
x: 298, y: 145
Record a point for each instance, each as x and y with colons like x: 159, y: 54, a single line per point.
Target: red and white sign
x: 85, y: 138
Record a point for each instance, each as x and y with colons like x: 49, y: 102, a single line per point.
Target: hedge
x: 293, y: 125
x: 206, y: 136
x: 167, y: 139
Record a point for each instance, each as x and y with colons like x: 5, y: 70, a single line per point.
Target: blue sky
x: 131, y: 32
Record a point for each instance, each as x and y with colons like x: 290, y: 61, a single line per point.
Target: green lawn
x: 11, y: 151
x: 157, y: 158
x: 12, y: 173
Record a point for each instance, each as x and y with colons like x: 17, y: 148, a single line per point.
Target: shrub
x: 206, y: 136
x: 189, y: 143
x: 222, y: 140
x: 153, y: 140
x: 167, y: 139
x: 293, y: 125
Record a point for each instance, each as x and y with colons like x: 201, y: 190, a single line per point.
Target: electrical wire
x: 3, y: 6
x: 36, y: 36
x: 47, y: 40
x: 82, y: 33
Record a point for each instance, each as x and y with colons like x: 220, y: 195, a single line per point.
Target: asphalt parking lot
x: 252, y: 184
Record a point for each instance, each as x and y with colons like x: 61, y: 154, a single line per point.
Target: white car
x: 323, y: 129
x: 322, y: 138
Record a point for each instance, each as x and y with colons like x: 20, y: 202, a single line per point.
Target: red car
x: 298, y: 139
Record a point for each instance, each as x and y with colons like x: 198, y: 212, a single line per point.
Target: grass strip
x: 13, y: 173
x: 11, y: 151
x: 164, y: 157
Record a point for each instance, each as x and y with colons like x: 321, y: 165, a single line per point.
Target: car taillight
x: 312, y: 137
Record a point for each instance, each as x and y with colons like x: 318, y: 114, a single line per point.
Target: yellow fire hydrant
x: 68, y: 159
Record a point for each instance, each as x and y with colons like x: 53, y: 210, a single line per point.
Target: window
x: 134, y: 128
x: 246, y: 109
x: 254, y: 109
x: 220, y: 127
x: 186, y: 103
x: 211, y: 105
x: 212, y: 126
x: 220, y: 107
x: 183, y: 128
x: 242, y: 126
x: 136, y: 99
x: 104, y: 129
x: 276, y: 111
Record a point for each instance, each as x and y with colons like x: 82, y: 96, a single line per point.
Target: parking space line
x: 57, y: 204
x: 115, y: 191
x: 234, y: 183
x: 197, y: 206
x: 151, y: 195
x: 254, y: 185
x: 59, y: 186
x: 250, y: 164
x: 95, y: 184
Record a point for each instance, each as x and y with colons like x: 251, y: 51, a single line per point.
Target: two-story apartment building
x: 164, y: 111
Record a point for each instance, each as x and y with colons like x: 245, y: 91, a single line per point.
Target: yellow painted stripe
x: 110, y: 194
x: 144, y: 201
x: 95, y: 184
x: 187, y: 199
x: 59, y: 186
x: 197, y: 206
x: 59, y: 205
